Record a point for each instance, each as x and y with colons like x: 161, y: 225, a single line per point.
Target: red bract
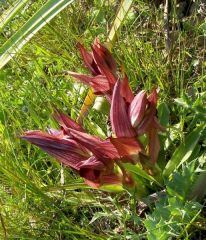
x: 126, y: 91
x: 128, y: 148
x: 137, y: 108
x: 90, y: 156
x: 65, y: 149
x: 102, y: 66
x: 120, y: 121
x: 99, y: 83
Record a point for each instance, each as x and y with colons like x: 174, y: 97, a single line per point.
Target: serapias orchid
x: 98, y: 161
x: 95, y: 159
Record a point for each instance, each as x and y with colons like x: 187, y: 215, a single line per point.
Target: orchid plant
x: 101, y: 161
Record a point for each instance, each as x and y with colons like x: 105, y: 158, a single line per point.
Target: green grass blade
x: 32, y: 26
x: 121, y: 14
x: 7, y: 16
x: 184, y: 151
x: 136, y: 169
x: 163, y: 114
x: 68, y: 187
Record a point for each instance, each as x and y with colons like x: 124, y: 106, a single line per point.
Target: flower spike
x: 102, y: 66
x: 98, y: 161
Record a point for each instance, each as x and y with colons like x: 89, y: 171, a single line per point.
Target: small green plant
x: 174, y: 213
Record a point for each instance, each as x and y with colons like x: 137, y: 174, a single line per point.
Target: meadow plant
x: 162, y: 173
x: 101, y: 161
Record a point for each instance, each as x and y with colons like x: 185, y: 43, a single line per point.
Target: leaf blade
x: 184, y: 151
x: 31, y: 27
x: 7, y: 16
x: 136, y: 169
x: 121, y: 14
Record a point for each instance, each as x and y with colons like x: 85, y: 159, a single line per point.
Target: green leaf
x: 68, y: 187
x: 182, y: 102
x: 180, y: 183
x: 112, y: 188
x: 34, y: 116
x: 202, y: 28
x: 136, y: 169
x: 7, y: 15
x: 169, y: 217
x: 184, y: 151
x: 98, y: 215
x: 32, y: 26
x: 197, y: 191
x: 163, y: 114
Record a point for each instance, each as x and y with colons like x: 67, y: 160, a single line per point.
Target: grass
x: 39, y: 197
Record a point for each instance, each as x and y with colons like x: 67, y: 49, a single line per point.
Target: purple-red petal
x: 105, y: 54
x: 81, y: 77
x: 127, y: 147
x: 88, y: 60
x: 91, y: 163
x: 66, y: 122
x: 120, y: 122
x: 97, y: 174
x: 55, y: 132
x: 102, y: 149
x: 91, y: 169
x: 99, y: 83
x: 67, y: 151
x: 126, y: 91
x: 153, y: 97
x: 150, y: 114
x: 103, y: 66
x: 137, y: 108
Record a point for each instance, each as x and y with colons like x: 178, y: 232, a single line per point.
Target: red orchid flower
x: 131, y: 116
x: 102, y: 66
x: 89, y: 156
x: 137, y: 118
x: 93, y: 158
